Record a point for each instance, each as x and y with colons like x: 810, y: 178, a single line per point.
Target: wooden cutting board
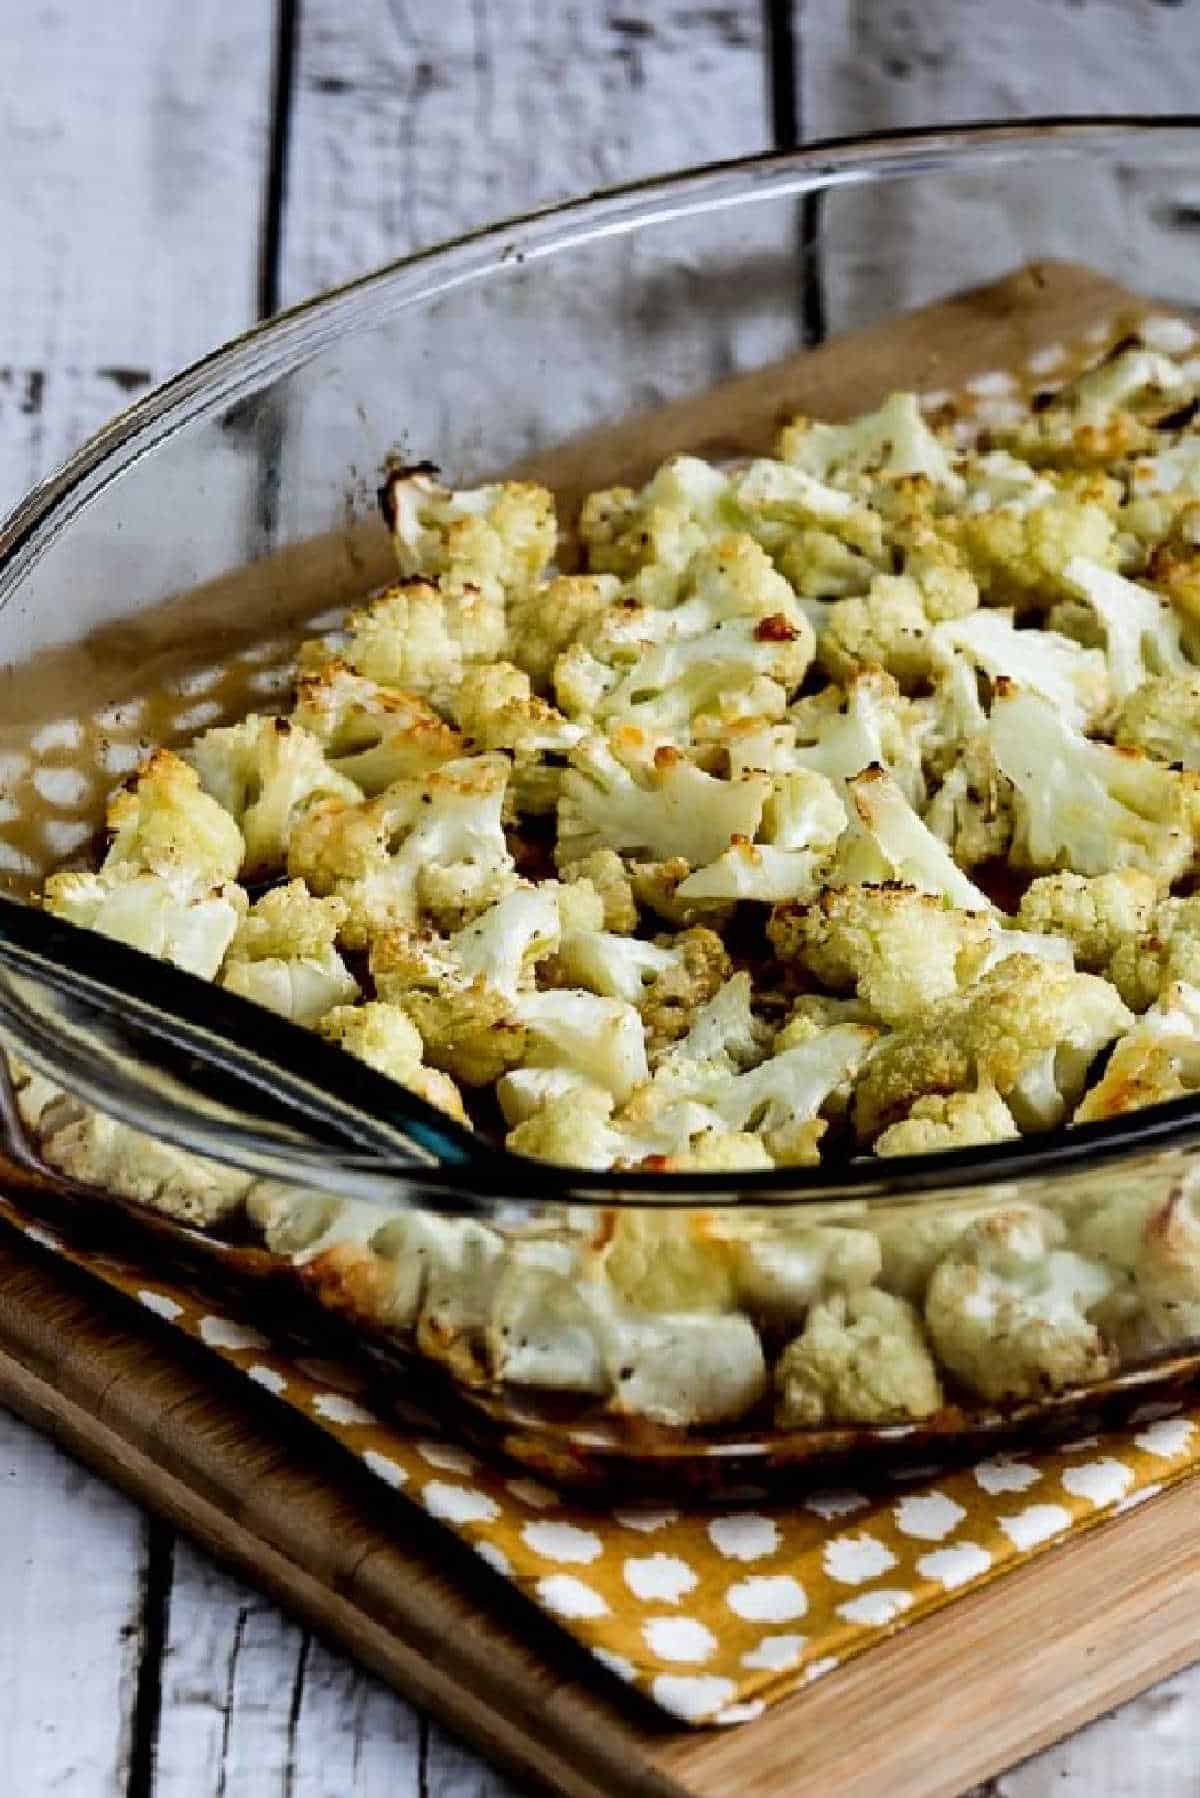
x: 938, y: 1707
x: 935, y: 1709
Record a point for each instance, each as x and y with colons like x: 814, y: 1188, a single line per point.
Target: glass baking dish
x: 161, y: 581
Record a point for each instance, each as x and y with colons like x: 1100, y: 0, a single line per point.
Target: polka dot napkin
x: 712, y: 1614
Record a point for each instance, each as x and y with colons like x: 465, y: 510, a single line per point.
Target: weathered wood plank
x: 253, y: 1705
x: 132, y: 139
x: 866, y: 68
x: 410, y: 125
x: 72, y: 1554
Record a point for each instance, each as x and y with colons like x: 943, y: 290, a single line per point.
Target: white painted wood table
x: 168, y: 173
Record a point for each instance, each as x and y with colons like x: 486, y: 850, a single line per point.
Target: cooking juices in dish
x: 839, y: 804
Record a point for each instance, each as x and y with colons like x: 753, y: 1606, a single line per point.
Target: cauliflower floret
x: 662, y: 807
x: 168, y: 916
x: 733, y: 645
x: 1164, y: 949
x: 820, y: 566
x: 898, y: 949
x: 887, y: 841
x: 161, y: 823
x: 802, y: 820
x: 1096, y: 914
x: 1159, y: 1059
x: 1030, y: 1028
x: 972, y: 811
x: 1020, y: 558
x: 373, y: 735
x: 1141, y: 634
x: 435, y: 844
x: 503, y: 533
x: 385, y: 1037
x: 570, y: 1127
x: 267, y: 773
x: 649, y: 538
x: 421, y: 638
x: 839, y: 735
x: 497, y: 709
x: 914, y: 1238
x: 1105, y: 415
x: 780, y: 1098
x: 714, y: 1152
x: 723, y: 1031
x: 98, y: 1151
x: 894, y: 441
x: 782, y: 1267
x: 887, y: 627
x: 777, y: 500
x: 283, y: 955
x: 545, y: 619
x: 602, y: 1038
x: 665, y: 983
x: 463, y: 993
x: 862, y: 1357
x: 1008, y: 1309
x: 688, y: 1371
x: 605, y: 872
x: 1084, y: 804
x: 950, y: 1121
x: 1072, y: 678
x: 1155, y: 1240
x: 1162, y: 717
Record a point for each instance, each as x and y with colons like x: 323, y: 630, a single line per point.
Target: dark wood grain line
x: 294, y: 1709
x: 287, y: 31
x: 785, y: 49
x: 155, y: 1600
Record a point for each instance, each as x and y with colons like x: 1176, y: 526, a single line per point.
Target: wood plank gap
x: 294, y: 1709
x: 287, y: 31
x: 157, y: 1573
x: 785, y: 51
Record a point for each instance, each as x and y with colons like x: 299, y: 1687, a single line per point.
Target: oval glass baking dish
x: 618, y: 1327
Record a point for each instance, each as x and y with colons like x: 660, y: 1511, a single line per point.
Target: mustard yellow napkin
x: 713, y: 1614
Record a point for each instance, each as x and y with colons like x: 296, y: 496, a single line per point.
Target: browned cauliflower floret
x: 1095, y: 913
x: 899, y: 949
x: 505, y: 533
x: 887, y: 627
x: 950, y: 1121
x: 1153, y: 1238
x: 386, y: 1038
x: 432, y: 845
x: 1162, y: 716
x: 659, y: 807
x: 421, y: 637
x: 667, y: 982
x: 1019, y: 557
x: 496, y: 708
x: 1159, y: 1059
x: 463, y: 992
x: 161, y: 822
x: 283, y: 956
x: 1008, y: 1308
x: 1029, y: 1028
x: 545, y: 619
x: 650, y: 537
x: 1085, y: 805
x: 862, y: 1357
x: 267, y: 773
x: 605, y: 871
x: 375, y: 735
x: 1166, y: 948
